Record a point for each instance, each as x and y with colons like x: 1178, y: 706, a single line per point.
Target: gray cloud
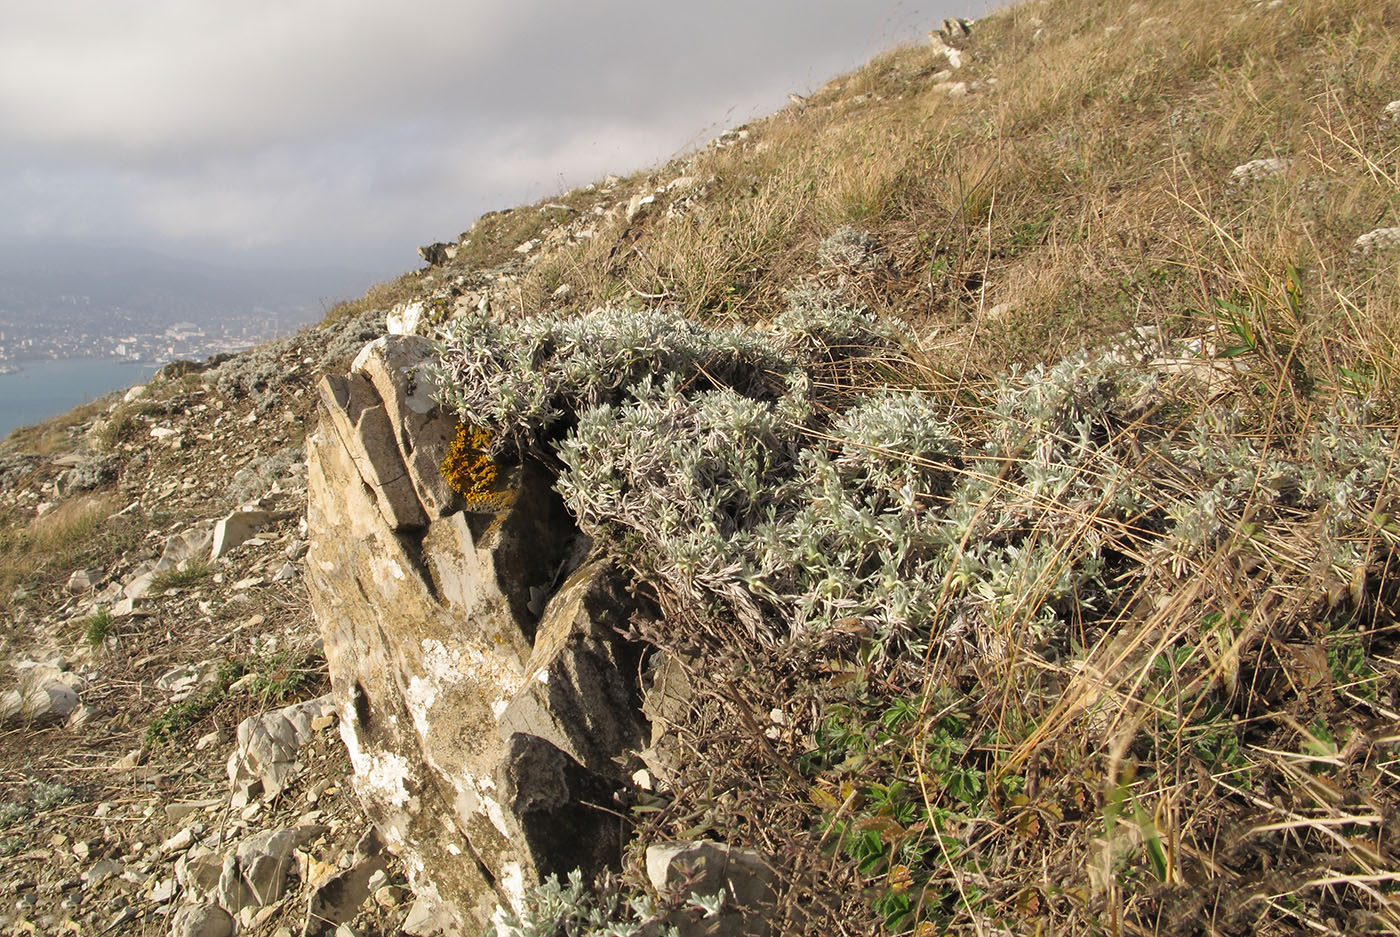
x: 310, y: 129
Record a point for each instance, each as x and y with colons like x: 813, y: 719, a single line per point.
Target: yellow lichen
x: 468, y: 466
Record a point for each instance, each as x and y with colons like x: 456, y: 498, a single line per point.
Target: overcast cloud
x: 311, y: 131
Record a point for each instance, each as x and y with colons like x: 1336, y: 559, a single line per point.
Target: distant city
x: 110, y: 335
x: 60, y: 301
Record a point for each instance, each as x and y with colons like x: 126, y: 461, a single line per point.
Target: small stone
x: 100, y: 871
x: 1381, y: 239
x: 202, y: 920
x: 177, y: 812
x: 315, y: 792
x: 209, y: 740
x: 322, y: 722
x: 84, y: 580
x: 80, y: 716
x: 422, y: 920
x: 237, y: 528
x: 163, y: 891
x: 704, y: 868
x: 390, y: 896
x: 242, y: 683
x: 45, y: 694
x: 1258, y: 169
x: 286, y: 573
x: 179, y: 842
x: 128, y: 761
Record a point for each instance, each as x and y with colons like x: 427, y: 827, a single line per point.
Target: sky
x: 348, y: 132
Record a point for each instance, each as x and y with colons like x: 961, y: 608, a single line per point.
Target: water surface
x: 44, y: 389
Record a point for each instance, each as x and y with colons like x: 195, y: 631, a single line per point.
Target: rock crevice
x: 488, y: 713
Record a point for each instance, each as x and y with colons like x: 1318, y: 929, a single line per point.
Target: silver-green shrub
x: 748, y: 492
x: 573, y: 909
x: 523, y: 378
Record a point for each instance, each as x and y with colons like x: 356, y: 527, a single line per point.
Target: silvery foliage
x: 881, y: 516
x: 555, y: 909
x: 846, y: 248
x: 1333, y: 478
x: 758, y: 503
x: 523, y: 378
x: 750, y: 509
x: 821, y: 325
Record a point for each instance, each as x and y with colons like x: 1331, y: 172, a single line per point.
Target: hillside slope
x: 1040, y: 577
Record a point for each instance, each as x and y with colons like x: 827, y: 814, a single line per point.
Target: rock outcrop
x: 488, y: 705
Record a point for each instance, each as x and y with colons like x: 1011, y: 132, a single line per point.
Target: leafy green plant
x: 49, y: 795
x: 180, y: 578
x: 12, y: 812
x: 178, y: 717
x: 97, y: 626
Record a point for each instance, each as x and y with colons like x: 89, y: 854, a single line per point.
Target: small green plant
x: 180, y: 716
x: 12, y: 812
x: 282, y: 677
x: 607, y: 909
x: 180, y: 578
x: 11, y: 845
x: 97, y: 626
x: 48, y: 795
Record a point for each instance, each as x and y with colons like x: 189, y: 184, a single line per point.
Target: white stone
x: 237, y: 528
x: 405, y: 318
x: 1259, y: 169
x: 179, y: 842
x: 1381, y: 239
x: 140, y: 585
x: 44, y: 694
x: 202, y: 920
x: 83, y: 580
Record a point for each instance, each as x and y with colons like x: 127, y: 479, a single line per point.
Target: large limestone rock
x: 398, y: 367
x: 486, y: 702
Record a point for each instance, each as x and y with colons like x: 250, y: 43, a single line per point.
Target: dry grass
x: 1218, y: 752
x: 56, y: 436
x: 54, y: 544
x: 381, y: 296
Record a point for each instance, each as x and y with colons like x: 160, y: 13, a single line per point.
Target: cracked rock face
x: 482, y: 734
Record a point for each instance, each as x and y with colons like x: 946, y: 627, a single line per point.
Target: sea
x: 44, y: 389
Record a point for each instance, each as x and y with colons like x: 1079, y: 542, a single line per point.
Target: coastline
x: 32, y: 391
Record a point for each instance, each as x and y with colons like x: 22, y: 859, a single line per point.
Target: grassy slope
x: 1217, y: 754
